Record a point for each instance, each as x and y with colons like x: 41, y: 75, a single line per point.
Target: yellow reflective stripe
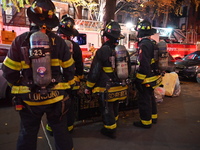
x: 111, y: 126
x: 117, y: 117
x: 25, y: 89
x: 90, y: 84
x: 76, y: 79
x: 117, y: 88
x: 14, y: 65
x: 108, y: 69
x: 140, y: 76
x: 48, y: 128
x: 20, y: 89
x: 71, y: 82
x: 150, y: 79
x: 76, y: 87
x: 157, y: 85
x: 61, y: 86
x: 153, y: 61
x: 55, y: 62
x: 70, y: 128
x: 81, y: 77
x: 145, y: 122
x: 49, y: 101
x: 117, y: 99
x: 68, y: 63
x: 24, y: 65
x: 112, y: 89
x: 154, y: 116
x: 98, y: 89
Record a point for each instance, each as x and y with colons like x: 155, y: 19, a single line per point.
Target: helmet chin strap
x: 45, y: 28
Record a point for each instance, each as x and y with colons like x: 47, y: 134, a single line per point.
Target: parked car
x: 4, y: 88
x: 189, y: 66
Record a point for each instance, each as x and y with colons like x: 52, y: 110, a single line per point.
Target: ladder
x: 89, y: 25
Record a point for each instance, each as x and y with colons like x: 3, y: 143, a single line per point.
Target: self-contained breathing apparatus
x: 162, y: 56
x: 120, y: 64
x: 38, y: 56
x: 119, y: 61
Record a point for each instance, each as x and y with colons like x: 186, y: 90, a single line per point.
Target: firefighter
x: 103, y: 80
x: 147, y: 76
x: 40, y: 70
x: 67, y: 32
x: 93, y: 50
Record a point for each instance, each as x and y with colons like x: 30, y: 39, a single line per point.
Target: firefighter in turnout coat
x: 103, y: 81
x: 147, y: 76
x: 48, y: 53
x: 67, y: 32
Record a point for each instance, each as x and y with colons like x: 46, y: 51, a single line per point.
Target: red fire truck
x: 178, y: 43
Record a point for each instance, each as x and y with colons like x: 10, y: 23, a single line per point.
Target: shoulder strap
x: 26, y: 40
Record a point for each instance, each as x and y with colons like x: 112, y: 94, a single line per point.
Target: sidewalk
x: 178, y: 128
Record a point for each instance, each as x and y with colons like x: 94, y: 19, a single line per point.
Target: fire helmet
x: 42, y: 12
x: 144, y: 29
x: 112, y: 30
x: 66, y: 26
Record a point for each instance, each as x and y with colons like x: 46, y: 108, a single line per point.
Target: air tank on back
x: 121, y: 62
x: 41, y: 59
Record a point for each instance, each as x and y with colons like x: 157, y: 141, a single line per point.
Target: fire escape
x: 14, y: 18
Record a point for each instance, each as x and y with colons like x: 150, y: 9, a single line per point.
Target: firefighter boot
x: 139, y: 124
x: 111, y: 133
x: 154, y: 121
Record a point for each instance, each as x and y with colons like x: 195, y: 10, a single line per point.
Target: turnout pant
x: 30, y: 124
x: 109, y: 113
x: 71, y: 112
x: 147, y: 104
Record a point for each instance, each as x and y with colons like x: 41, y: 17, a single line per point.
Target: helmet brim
x: 143, y: 33
x: 50, y: 23
x: 122, y: 36
x: 67, y: 32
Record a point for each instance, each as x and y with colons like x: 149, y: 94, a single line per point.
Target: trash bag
x: 177, y: 88
x: 159, y: 93
x: 171, y: 84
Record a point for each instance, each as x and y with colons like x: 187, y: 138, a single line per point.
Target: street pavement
x: 178, y: 127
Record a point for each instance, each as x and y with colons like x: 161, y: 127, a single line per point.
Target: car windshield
x: 190, y: 56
